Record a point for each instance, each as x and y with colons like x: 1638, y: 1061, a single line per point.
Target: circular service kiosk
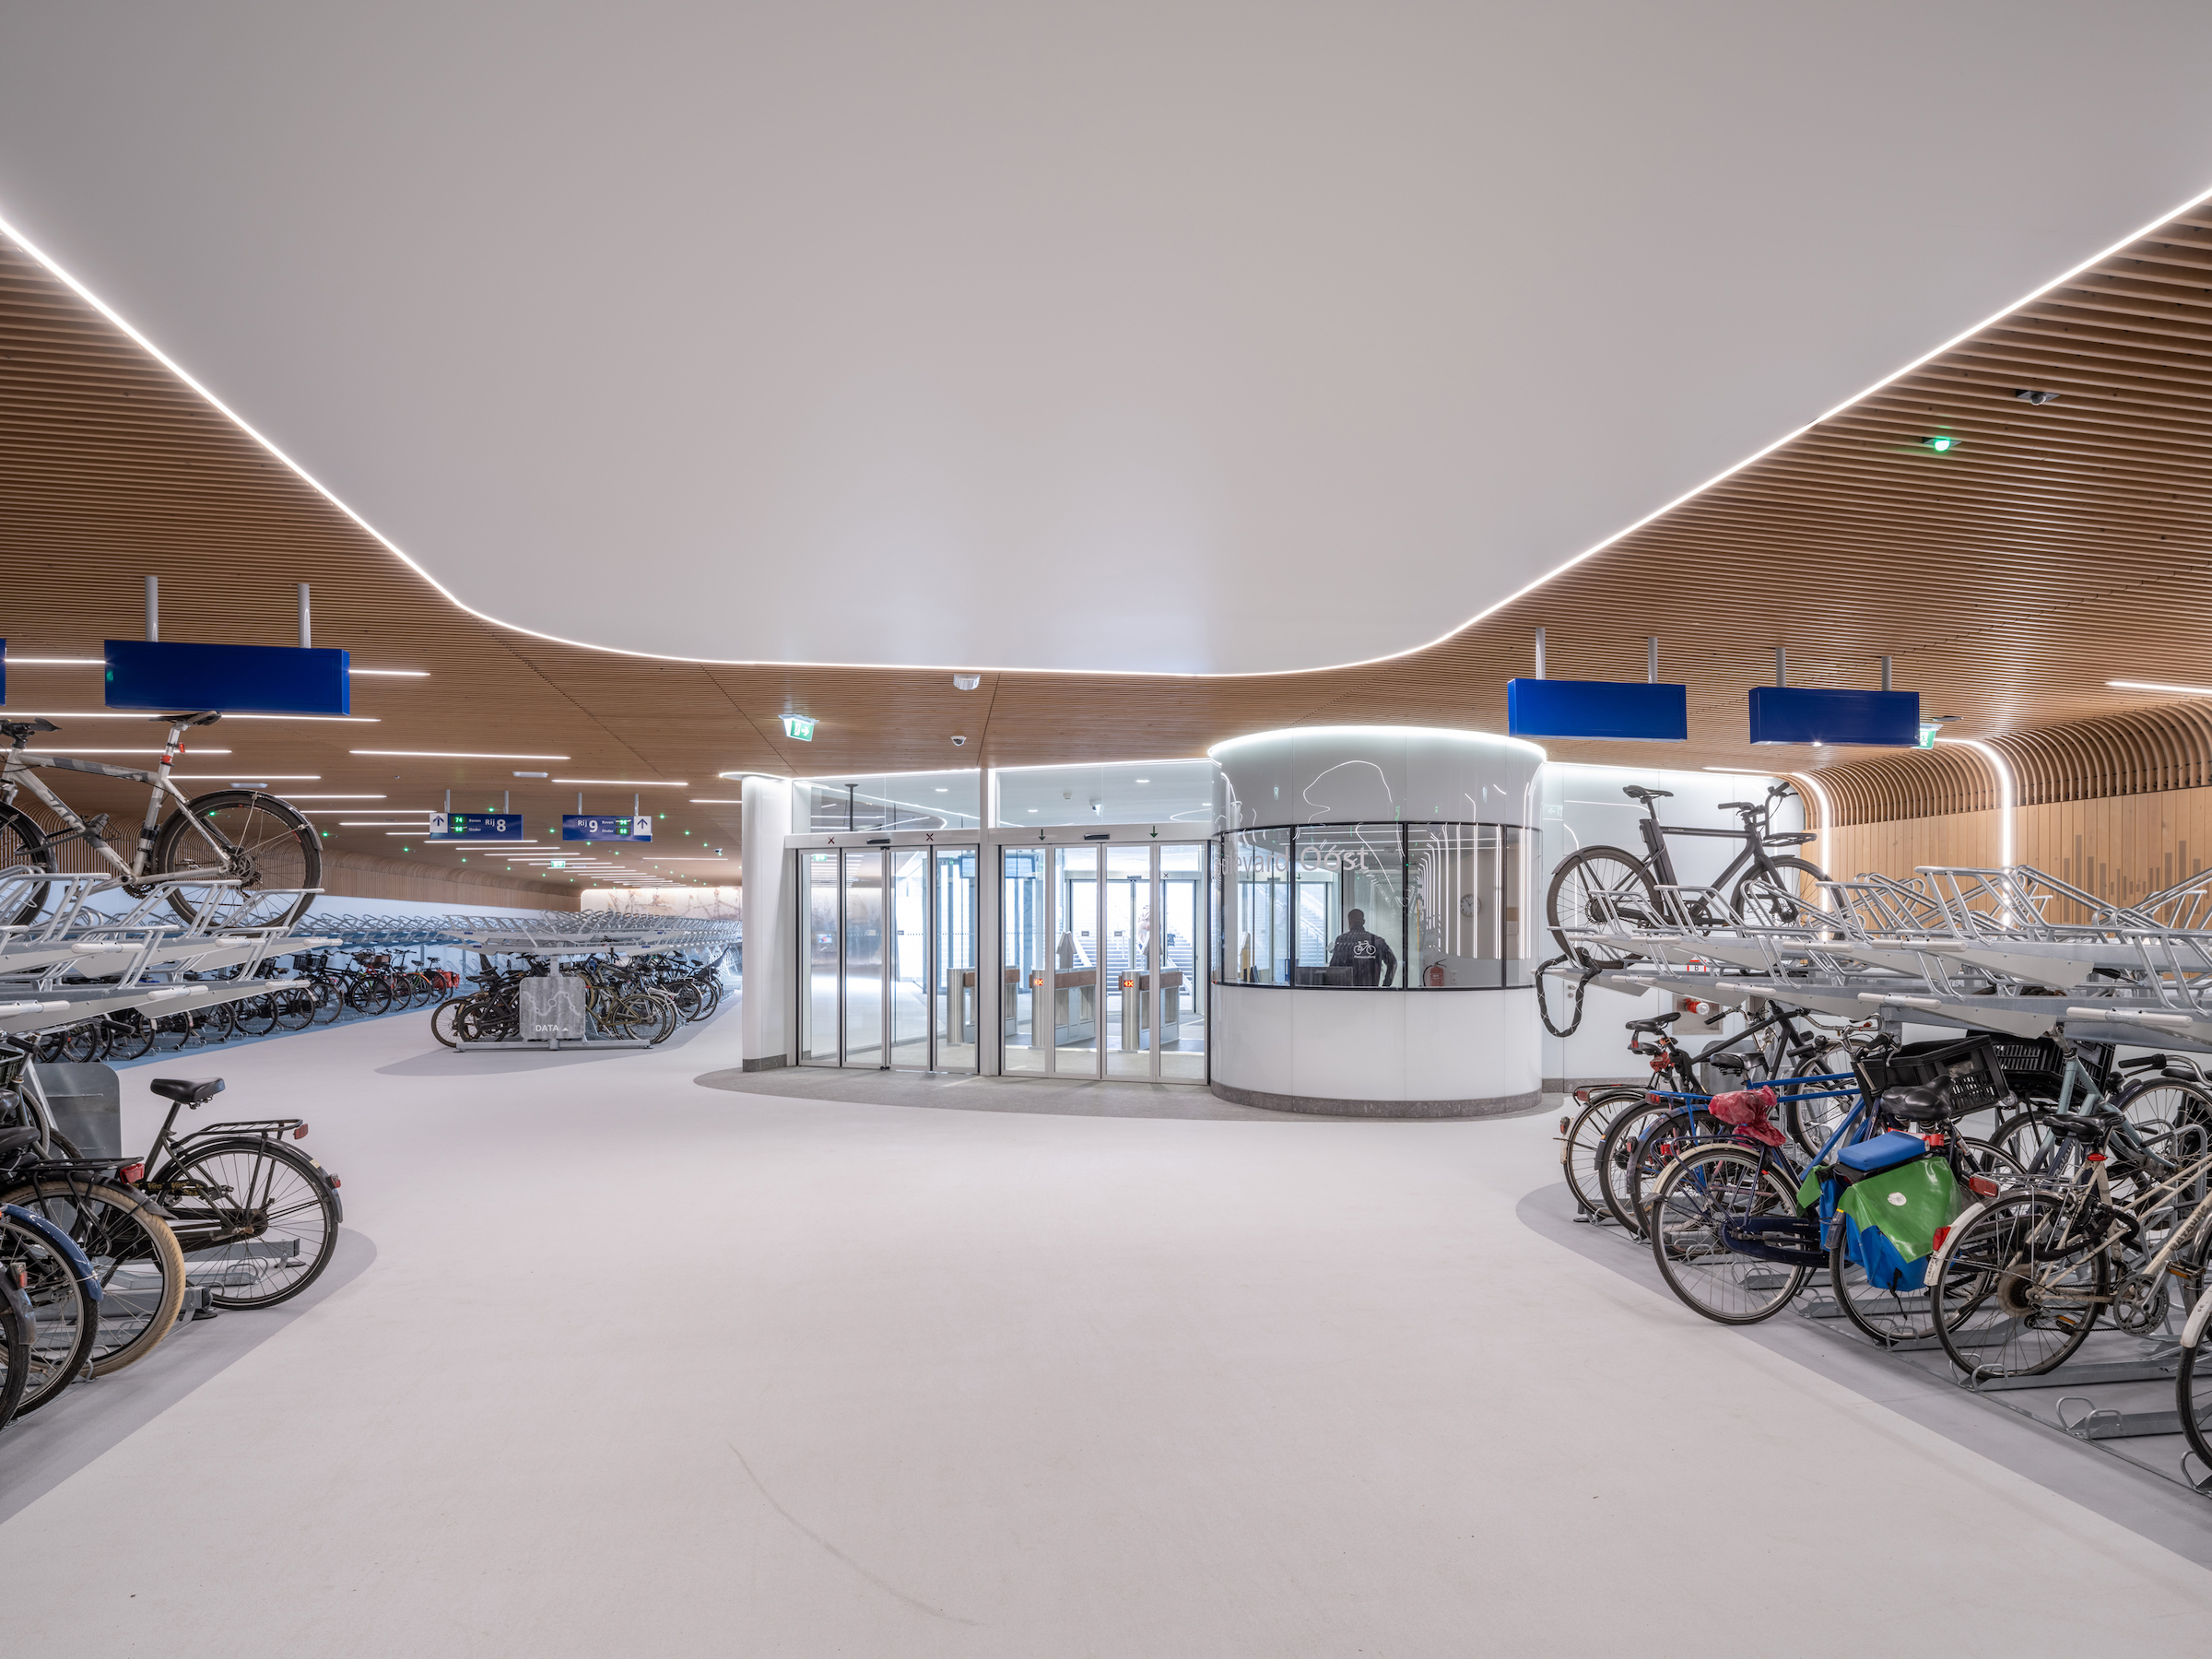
x: 1375, y: 954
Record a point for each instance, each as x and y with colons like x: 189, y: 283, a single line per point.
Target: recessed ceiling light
x: 1032, y: 809
x: 1144, y: 780
x: 219, y: 777
x: 290, y: 796
x: 1941, y: 442
x: 630, y: 782
x: 713, y: 801
x: 453, y: 755
x: 2158, y: 686
x: 17, y: 662
x: 395, y: 673
x: 77, y: 749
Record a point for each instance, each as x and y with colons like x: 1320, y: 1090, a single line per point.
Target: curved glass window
x: 1373, y: 907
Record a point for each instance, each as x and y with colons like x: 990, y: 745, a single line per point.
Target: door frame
x: 932, y: 923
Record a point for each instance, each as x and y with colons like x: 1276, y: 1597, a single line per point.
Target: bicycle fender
x: 81, y: 1265
x: 1941, y: 1259
x: 2194, y: 1331
x: 254, y: 1143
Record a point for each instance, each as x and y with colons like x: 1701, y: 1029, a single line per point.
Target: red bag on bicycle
x: 1749, y: 1109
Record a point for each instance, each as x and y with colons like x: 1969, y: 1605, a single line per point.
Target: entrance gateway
x: 1087, y: 958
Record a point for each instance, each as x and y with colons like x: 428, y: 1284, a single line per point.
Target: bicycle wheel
x: 66, y: 1320
x: 134, y: 1255
x: 255, y: 1016
x: 130, y: 1036
x: 295, y: 1007
x: 2019, y: 1289
x: 1579, y: 1138
x: 664, y: 1009
x: 81, y: 1042
x: 19, y: 1328
x: 1662, y: 1144
x: 366, y: 993
x: 22, y: 843
x: 272, y: 848
x: 1757, y: 898
x: 256, y: 1220
x: 1811, y: 1121
x: 1593, y: 887
x: 1702, y: 1191
x: 2193, y: 1400
x: 445, y: 1021
x: 1893, y: 1317
x: 330, y: 1001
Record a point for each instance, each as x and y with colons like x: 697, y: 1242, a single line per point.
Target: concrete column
x: 768, y: 1011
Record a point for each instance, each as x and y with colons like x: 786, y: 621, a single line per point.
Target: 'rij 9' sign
x: 575, y: 825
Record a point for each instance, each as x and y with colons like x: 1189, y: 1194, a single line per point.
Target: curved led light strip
x: 7, y: 228
x: 2006, y: 798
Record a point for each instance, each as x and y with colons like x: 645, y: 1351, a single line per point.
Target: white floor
x: 642, y: 1368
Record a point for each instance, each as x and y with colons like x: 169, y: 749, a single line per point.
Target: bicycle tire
x: 1687, y: 1206
x: 81, y: 1042
x: 1810, y: 1123
x: 274, y: 847
x: 367, y: 994
x: 1982, y: 1268
x: 1754, y: 882
x: 118, y: 1229
x: 1667, y: 1140
x: 1579, y: 1146
x: 1617, y: 1147
x: 19, y: 1331
x: 330, y: 1003
x: 255, y: 1016
x: 22, y: 842
x: 2194, y: 1408
x: 233, y: 1186
x: 1595, y: 885
x: 130, y: 1036
x: 444, y: 1019
x: 67, y: 1321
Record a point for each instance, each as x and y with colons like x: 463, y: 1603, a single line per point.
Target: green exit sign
x: 798, y: 726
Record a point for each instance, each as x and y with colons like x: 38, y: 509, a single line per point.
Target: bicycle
x: 1738, y: 1228
x: 243, y: 835
x: 257, y: 1220
x: 1596, y: 885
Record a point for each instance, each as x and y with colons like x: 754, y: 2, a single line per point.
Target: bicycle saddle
x: 1916, y: 1103
x: 1653, y: 1025
x: 14, y: 1140
x: 2091, y: 1126
x: 1637, y: 791
x: 21, y: 731
x: 187, y: 1091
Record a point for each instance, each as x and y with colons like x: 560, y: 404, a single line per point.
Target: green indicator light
x: 1939, y: 444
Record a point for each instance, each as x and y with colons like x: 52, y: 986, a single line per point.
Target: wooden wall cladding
x: 2054, y: 546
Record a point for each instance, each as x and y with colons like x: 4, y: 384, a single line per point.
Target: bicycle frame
x: 1753, y: 856
x: 20, y: 773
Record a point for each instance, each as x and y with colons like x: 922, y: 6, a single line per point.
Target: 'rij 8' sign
x: 575, y: 825
x: 481, y: 826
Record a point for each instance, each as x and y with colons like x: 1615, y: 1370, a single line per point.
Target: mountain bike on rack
x: 1594, y: 886
x: 256, y: 840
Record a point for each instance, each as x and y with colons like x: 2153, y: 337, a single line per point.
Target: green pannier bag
x: 1890, y: 1220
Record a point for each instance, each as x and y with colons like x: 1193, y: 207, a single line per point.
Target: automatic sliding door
x: 1025, y: 962
x: 1180, y: 998
x: 820, y: 960
x: 957, y: 990
x: 1129, y: 969
x: 909, y: 965
x: 865, y: 946
x: 1078, y: 961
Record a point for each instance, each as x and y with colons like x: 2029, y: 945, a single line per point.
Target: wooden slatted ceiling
x: 2054, y: 549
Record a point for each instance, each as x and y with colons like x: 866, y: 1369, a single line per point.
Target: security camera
x: 959, y: 742
x: 967, y: 682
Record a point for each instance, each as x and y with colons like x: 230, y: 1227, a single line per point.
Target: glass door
x: 1130, y: 970
x: 888, y: 956
x: 1180, y: 991
x: 907, y: 971
x: 1025, y: 960
x: 1078, y: 960
x: 957, y: 989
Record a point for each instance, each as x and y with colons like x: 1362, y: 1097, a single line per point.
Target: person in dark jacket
x: 1369, y: 955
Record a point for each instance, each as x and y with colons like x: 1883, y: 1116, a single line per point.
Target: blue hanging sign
x: 482, y: 827
x: 3, y: 670
x: 575, y: 825
x: 1817, y: 714
x: 176, y: 678
x: 1618, y: 709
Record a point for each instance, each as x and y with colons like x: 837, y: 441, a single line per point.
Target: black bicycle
x: 1595, y: 886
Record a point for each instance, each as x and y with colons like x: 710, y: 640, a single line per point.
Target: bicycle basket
x: 1967, y: 1069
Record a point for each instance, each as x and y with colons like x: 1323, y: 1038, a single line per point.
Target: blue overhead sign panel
x: 575, y: 825
x: 1618, y: 709
x: 176, y: 678
x: 482, y: 826
x: 3, y: 670
x: 1812, y: 715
